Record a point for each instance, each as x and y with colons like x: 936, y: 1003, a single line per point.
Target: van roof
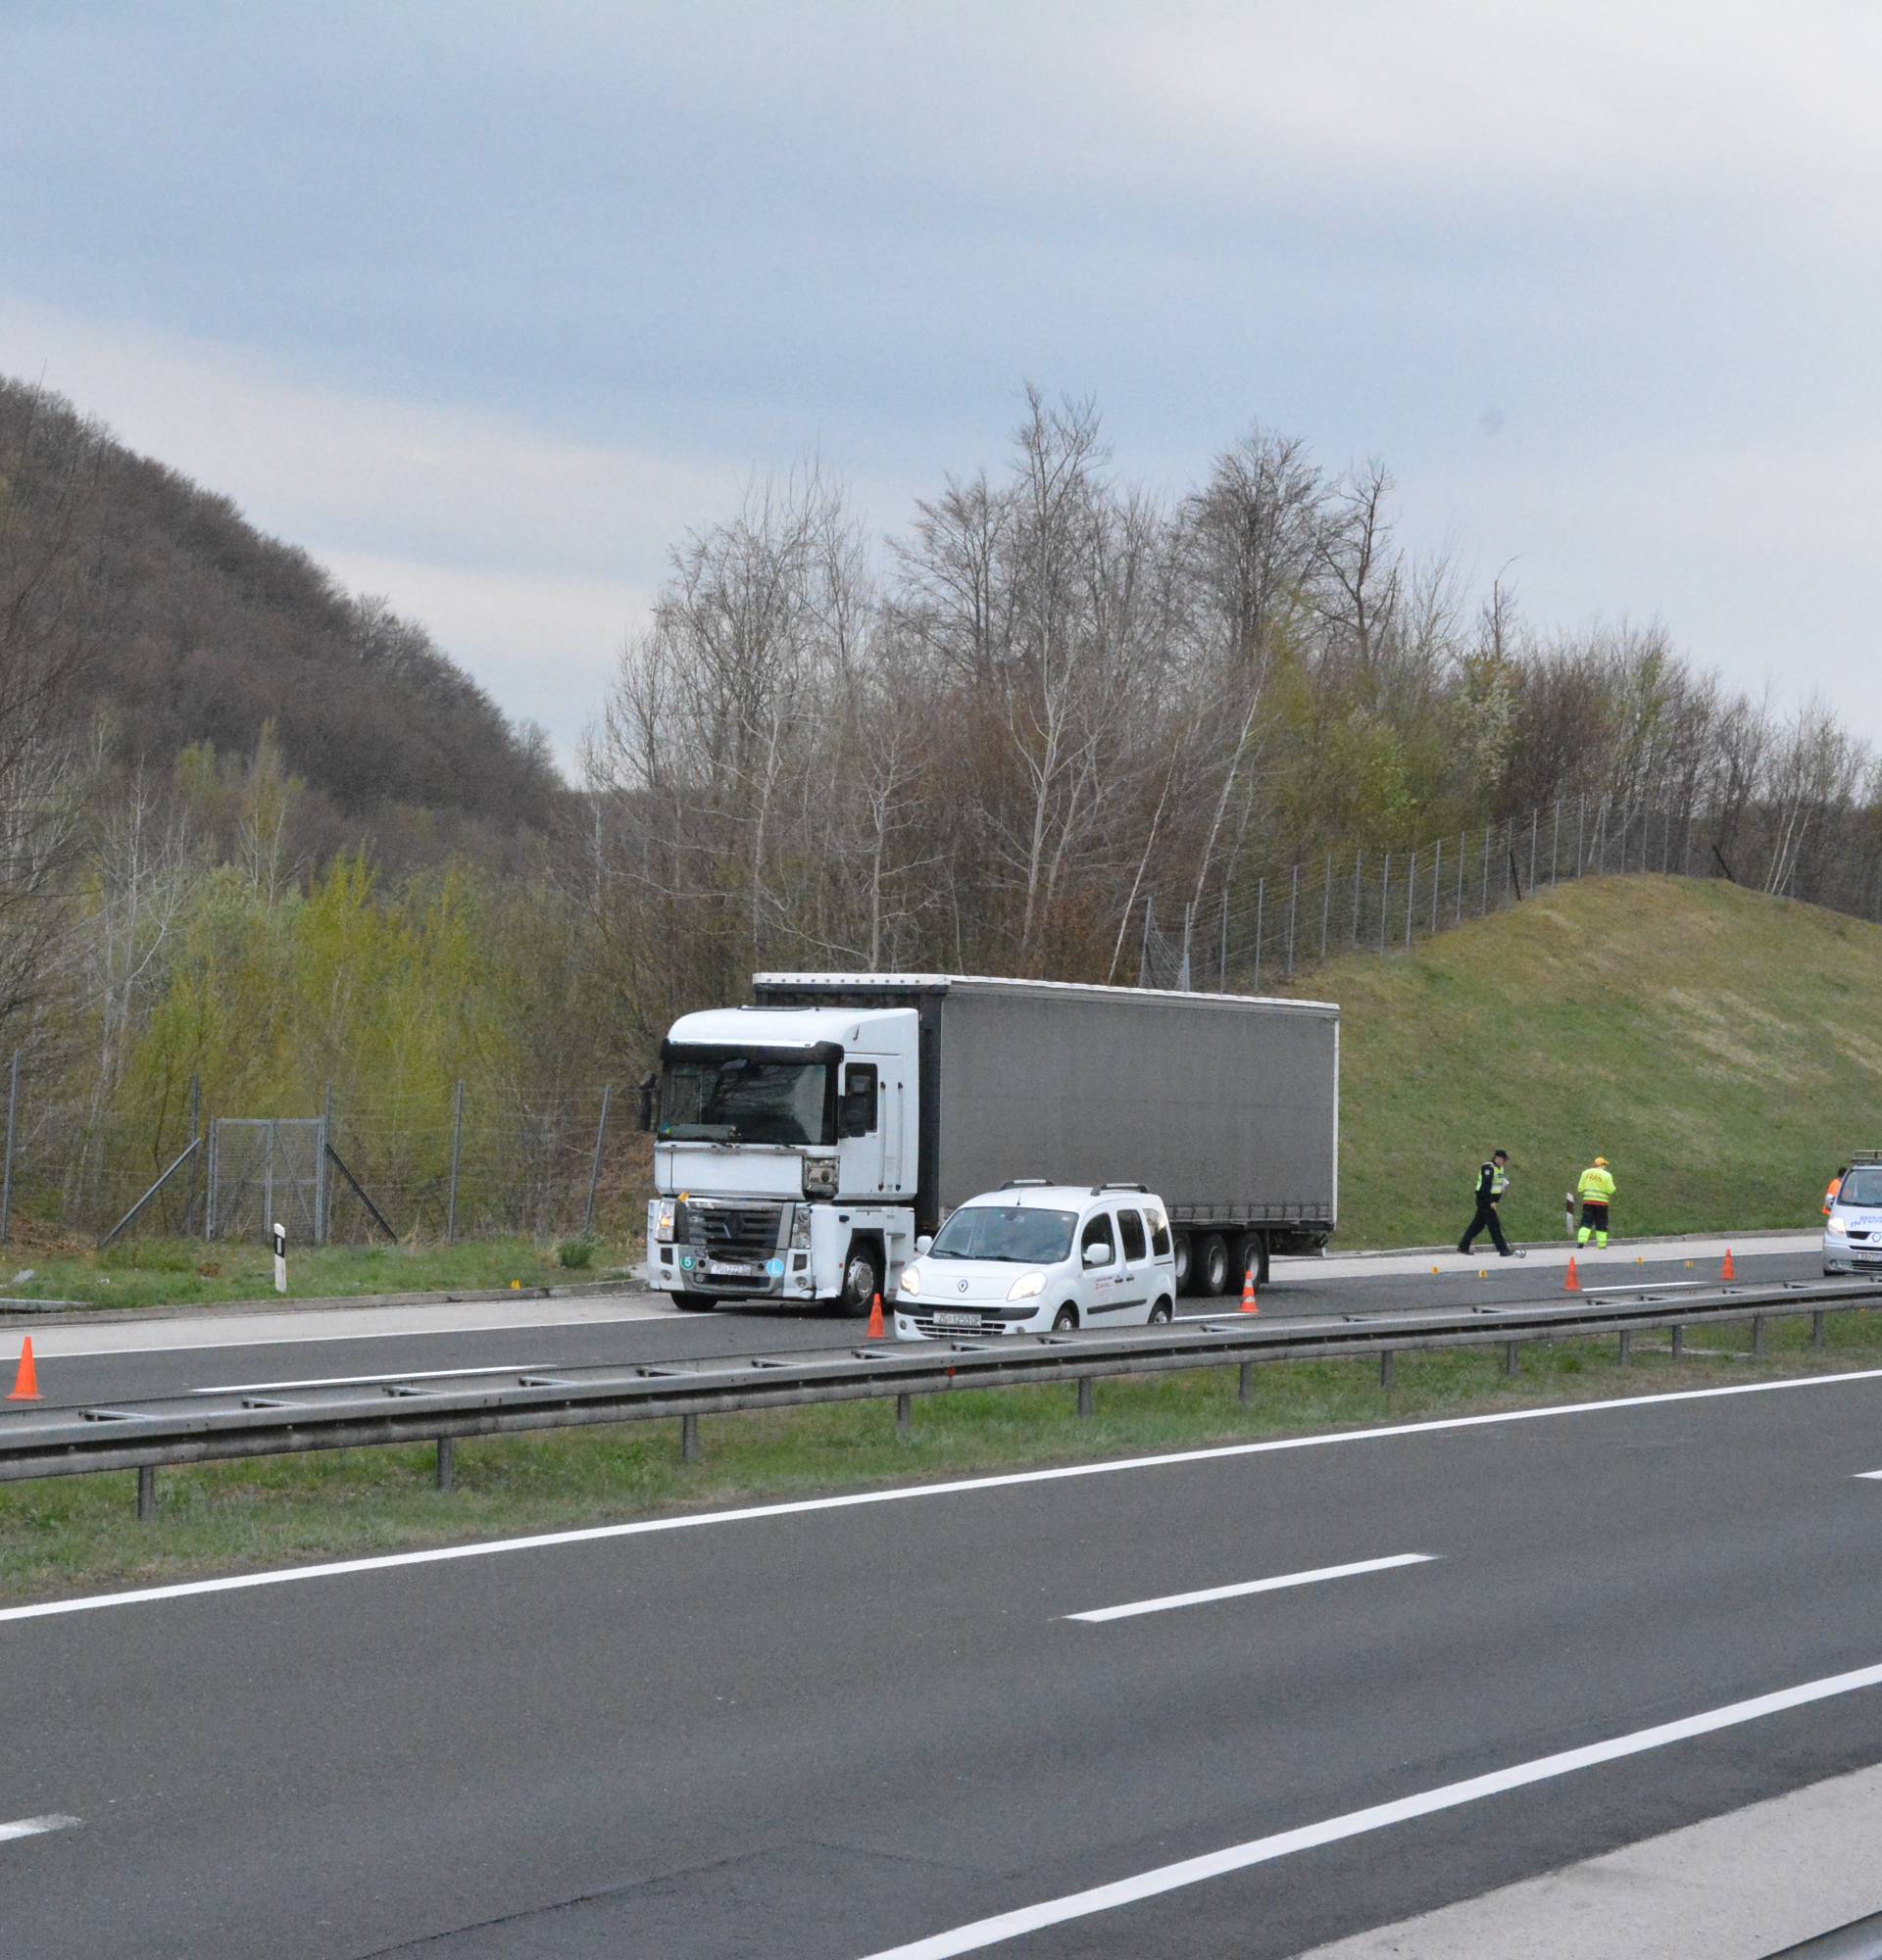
x: 1029, y: 1195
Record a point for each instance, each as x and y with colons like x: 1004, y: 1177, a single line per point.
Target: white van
x: 1032, y: 1257
x: 1853, y: 1232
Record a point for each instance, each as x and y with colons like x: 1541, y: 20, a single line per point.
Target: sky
x: 487, y: 305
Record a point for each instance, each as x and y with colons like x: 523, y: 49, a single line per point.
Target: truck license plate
x: 735, y: 1269
x: 956, y: 1320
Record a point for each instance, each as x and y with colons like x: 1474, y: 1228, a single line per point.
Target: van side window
x: 1158, y: 1234
x: 1130, y: 1227
x: 859, y: 1100
x: 1097, y: 1232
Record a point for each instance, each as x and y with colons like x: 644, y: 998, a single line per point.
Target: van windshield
x: 1862, y: 1187
x: 741, y: 1099
x: 1019, y: 1234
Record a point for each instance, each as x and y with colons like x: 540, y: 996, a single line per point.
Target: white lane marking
x: 904, y: 1494
x: 1870, y: 1476
x: 368, y: 1381
x: 34, y: 1827
x: 985, y: 1933
x: 632, y: 1314
x: 1241, y: 1592
x: 1652, y: 1286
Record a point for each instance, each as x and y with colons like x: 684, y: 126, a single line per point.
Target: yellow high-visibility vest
x: 1597, y: 1184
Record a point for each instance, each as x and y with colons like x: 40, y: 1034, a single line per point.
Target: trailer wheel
x: 1185, y: 1264
x: 1251, y: 1256
x: 1211, y: 1264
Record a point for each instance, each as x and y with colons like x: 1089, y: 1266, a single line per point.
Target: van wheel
x: 1211, y: 1264
x: 1066, y: 1320
x: 1185, y: 1265
x: 694, y: 1302
x: 1251, y: 1256
x: 1161, y: 1314
x: 862, y: 1280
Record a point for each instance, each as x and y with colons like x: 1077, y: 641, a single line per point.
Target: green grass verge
x: 1723, y: 1049
x: 186, y: 1272
x: 80, y: 1533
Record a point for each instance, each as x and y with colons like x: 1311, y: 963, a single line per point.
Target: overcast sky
x: 485, y: 305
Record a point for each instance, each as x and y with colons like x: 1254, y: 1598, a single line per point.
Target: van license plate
x: 972, y: 1320
x: 735, y: 1269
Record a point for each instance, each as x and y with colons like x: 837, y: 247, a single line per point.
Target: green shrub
x: 575, y: 1254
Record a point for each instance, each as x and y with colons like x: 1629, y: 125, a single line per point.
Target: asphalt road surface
x: 116, y: 1362
x: 917, y: 1723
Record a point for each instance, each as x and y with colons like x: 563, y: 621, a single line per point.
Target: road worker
x: 1836, y: 1185
x: 1493, y: 1180
x: 1597, y: 1193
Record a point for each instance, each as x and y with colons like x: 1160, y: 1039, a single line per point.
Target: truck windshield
x: 739, y: 1098
x: 1015, y: 1233
x: 1862, y: 1187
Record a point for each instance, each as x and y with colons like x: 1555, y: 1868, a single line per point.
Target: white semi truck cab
x: 785, y: 1155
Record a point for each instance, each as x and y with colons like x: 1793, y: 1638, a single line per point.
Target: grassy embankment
x: 1723, y: 1049
x: 186, y: 1272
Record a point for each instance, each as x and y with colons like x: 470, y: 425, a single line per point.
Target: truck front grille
x: 734, y: 1231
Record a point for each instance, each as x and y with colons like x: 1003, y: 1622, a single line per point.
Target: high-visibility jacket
x: 1830, y: 1196
x: 1595, y: 1185
x: 1492, y: 1182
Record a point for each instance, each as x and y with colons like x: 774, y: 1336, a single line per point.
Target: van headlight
x: 912, y: 1280
x: 820, y: 1177
x: 1837, y: 1225
x: 661, y: 1210
x: 1028, y: 1286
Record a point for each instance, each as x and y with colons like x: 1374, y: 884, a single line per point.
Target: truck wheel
x: 1185, y: 1264
x: 1251, y: 1256
x: 694, y: 1302
x: 1211, y: 1264
x: 862, y: 1280
x: 1066, y: 1320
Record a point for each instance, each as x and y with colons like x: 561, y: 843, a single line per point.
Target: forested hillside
x: 183, y: 626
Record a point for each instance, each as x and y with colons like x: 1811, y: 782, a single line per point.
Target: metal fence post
x: 1437, y: 880
x: 196, y: 1131
x: 1326, y: 907
x: 1410, y: 897
x: 1221, y: 957
x: 1555, y: 848
x: 1581, y: 834
x: 268, y: 1178
x: 456, y: 1157
x: 1462, y: 845
x: 208, y: 1181
x: 1535, y: 827
x: 1293, y: 906
x: 1260, y: 905
x: 6, y: 1176
x: 323, y: 1184
x: 1483, y: 909
x: 594, y: 1174
x: 1385, y: 898
x: 1358, y: 859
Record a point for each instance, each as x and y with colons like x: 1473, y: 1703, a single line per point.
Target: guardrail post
x: 1084, y: 1398
x: 1819, y: 1329
x: 146, y: 1495
x: 1679, y: 1340
x: 447, y: 1462
x: 1247, y: 1386
x: 1757, y: 1336
x: 1627, y: 1346
x: 1385, y: 1371
x: 1511, y: 1356
x: 689, y: 1439
x: 904, y: 1414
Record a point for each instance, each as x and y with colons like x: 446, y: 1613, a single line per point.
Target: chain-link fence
x: 1266, y: 928
x: 475, y: 1163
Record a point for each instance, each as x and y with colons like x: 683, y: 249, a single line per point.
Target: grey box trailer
x: 1225, y: 1105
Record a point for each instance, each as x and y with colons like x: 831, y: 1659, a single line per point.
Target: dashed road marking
x: 1279, y: 1584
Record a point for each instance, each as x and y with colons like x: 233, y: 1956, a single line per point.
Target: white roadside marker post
x: 281, y: 1258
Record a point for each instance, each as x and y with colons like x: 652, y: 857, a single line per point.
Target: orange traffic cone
x: 1247, y: 1292
x: 875, y: 1317
x: 1572, y: 1284
x: 25, y: 1384
x: 1730, y: 1271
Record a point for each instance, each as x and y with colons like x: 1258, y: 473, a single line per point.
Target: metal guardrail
x: 210, y: 1427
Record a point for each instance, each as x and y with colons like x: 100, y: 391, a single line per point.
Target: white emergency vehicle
x: 1853, y: 1232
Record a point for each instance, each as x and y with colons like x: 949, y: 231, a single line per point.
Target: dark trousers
x: 1486, y: 1220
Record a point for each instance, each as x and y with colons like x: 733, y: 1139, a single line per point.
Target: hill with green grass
x: 1721, y: 1048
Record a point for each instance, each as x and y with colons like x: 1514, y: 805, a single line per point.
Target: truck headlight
x: 1841, y: 1225
x: 1028, y: 1286
x: 800, y: 1228
x: 820, y: 1177
x: 912, y: 1280
x: 663, y: 1220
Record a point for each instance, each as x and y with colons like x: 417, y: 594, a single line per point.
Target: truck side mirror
x: 649, y: 1101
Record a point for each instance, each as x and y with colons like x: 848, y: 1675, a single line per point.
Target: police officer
x: 1597, y: 1192
x: 1493, y: 1180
